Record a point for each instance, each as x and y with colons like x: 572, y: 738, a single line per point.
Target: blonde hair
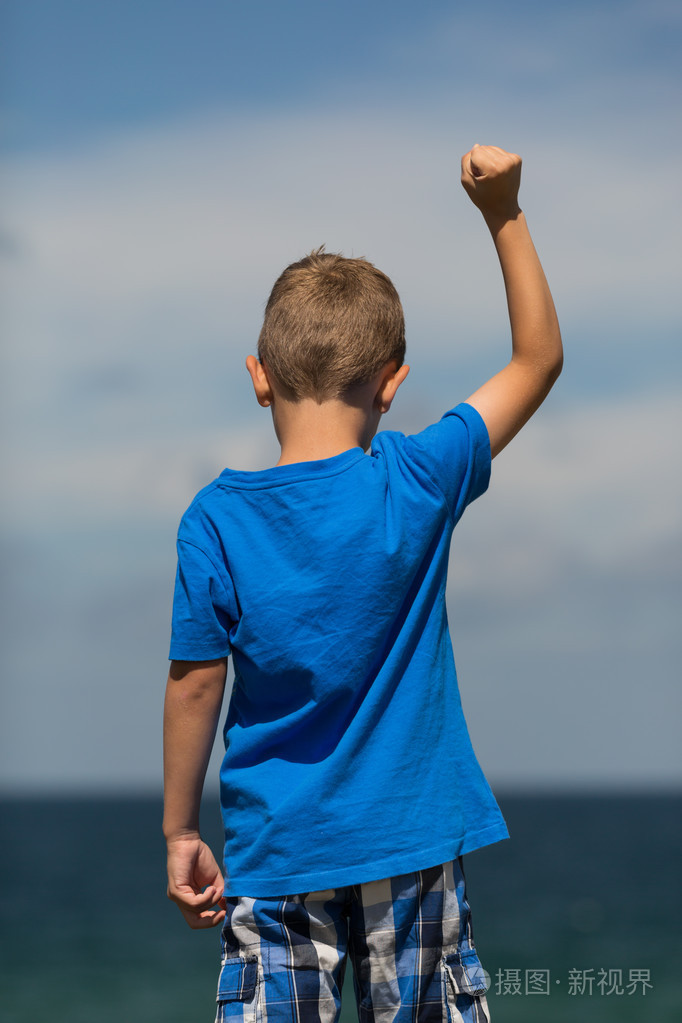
x: 331, y: 322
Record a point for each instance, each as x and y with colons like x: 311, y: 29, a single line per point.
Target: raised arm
x: 506, y: 402
x: 194, y: 696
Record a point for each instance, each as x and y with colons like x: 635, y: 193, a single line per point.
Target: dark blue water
x: 586, y: 885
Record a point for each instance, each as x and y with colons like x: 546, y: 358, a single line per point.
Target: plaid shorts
x: 409, y: 940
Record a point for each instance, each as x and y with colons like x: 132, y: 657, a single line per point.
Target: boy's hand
x: 191, y: 868
x: 491, y: 178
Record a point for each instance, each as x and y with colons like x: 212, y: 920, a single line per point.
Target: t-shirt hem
x: 392, y: 866
x: 197, y: 654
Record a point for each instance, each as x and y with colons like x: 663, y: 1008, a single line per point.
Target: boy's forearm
x: 536, y: 338
x: 194, y: 695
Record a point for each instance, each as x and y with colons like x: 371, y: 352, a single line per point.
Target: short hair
x: 331, y: 322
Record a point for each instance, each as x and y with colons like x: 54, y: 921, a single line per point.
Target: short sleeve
x: 455, y: 454
x: 201, y: 621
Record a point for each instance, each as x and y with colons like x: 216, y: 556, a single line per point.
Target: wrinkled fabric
x: 347, y: 753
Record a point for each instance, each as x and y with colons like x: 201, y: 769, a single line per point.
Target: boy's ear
x: 390, y: 382
x: 259, y: 379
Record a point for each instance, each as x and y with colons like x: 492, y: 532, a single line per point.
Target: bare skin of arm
x: 491, y: 178
x: 194, y: 695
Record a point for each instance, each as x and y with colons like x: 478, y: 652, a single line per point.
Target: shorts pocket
x: 237, y: 989
x: 466, y: 983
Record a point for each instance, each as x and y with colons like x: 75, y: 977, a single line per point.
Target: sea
x: 576, y: 917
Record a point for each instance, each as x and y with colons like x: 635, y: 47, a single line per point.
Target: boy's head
x: 330, y: 323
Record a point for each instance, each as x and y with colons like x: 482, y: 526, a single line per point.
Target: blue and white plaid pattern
x: 409, y: 940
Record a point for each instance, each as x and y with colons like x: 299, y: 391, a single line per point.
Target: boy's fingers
x: 482, y: 160
x: 197, y: 908
x: 194, y: 902
x: 469, y: 168
x: 476, y: 163
x: 202, y: 921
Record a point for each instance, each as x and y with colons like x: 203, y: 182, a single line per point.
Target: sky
x: 161, y: 163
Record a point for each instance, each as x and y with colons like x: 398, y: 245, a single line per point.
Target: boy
x: 349, y: 787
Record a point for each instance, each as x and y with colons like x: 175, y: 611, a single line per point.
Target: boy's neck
x: 309, y: 431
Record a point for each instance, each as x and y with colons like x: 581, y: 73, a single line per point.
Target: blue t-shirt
x: 347, y: 754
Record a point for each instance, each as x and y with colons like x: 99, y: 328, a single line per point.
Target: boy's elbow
x: 553, y: 362
x: 197, y: 682
x: 545, y: 375
x: 556, y: 367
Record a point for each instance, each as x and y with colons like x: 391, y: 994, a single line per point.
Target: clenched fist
x: 491, y: 177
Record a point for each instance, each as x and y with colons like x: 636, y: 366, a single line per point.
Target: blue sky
x: 161, y: 163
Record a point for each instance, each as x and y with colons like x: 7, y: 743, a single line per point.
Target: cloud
x: 141, y: 269
x: 136, y: 269
x: 595, y: 484
x: 142, y: 263
x: 202, y: 215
